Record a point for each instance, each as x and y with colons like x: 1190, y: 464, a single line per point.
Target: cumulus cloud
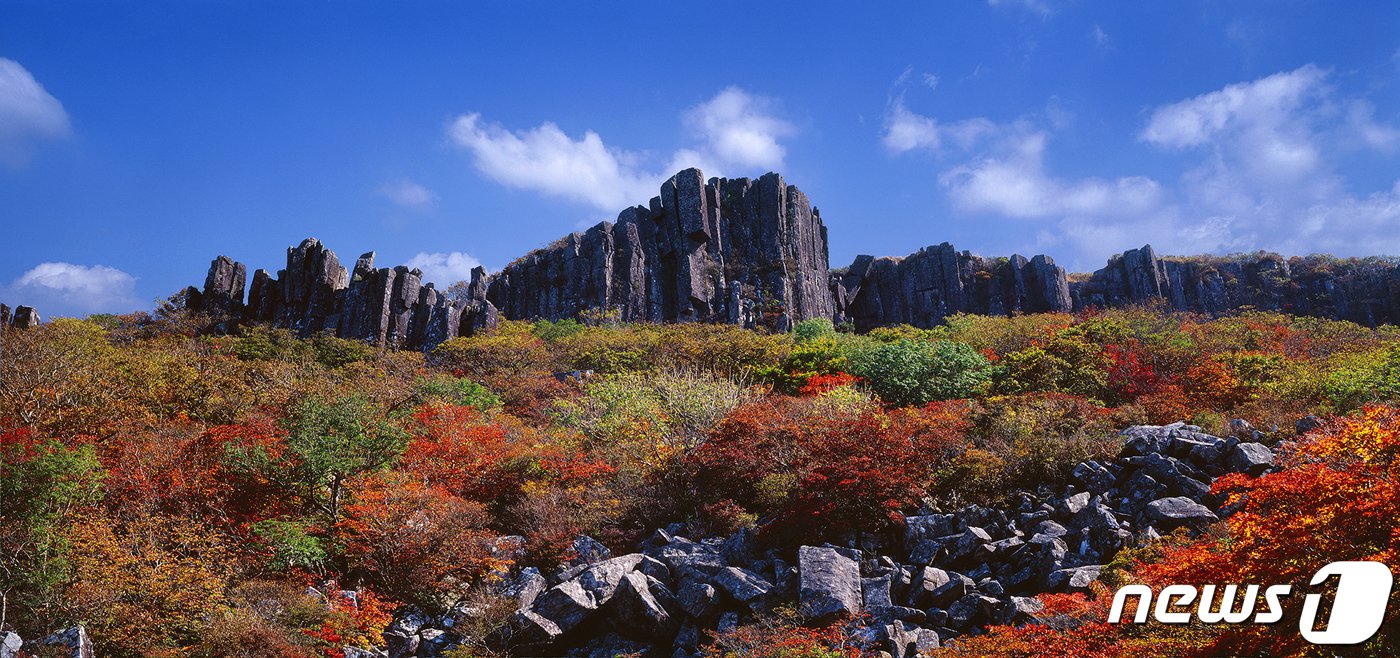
x: 408, y: 194
x: 906, y: 130
x: 545, y: 159
x: 1013, y: 182
x: 69, y: 289
x: 28, y: 115
x: 1264, y: 125
x: 1259, y: 170
x: 738, y: 133
x: 740, y: 129
x: 444, y: 269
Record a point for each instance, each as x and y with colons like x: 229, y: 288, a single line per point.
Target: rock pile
x: 67, y: 643
x: 947, y: 574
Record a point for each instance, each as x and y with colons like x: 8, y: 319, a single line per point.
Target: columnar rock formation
x: 935, y: 282
x: 754, y: 252
x: 1363, y: 291
x: 23, y: 317
x: 726, y: 250
x: 315, y: 294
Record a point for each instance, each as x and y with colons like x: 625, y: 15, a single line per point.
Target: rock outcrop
x: 754, y: 252
x: 22, y: 317
x: 1365, y: 291
x: 315, y: 294
x: 923, y: 288
x: 946, y: 575
x: 723, y: 250
x: 68, y: 643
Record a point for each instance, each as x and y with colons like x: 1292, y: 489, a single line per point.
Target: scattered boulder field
x: 945, y: 576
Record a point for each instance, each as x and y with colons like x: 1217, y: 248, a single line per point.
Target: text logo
x: 1363, y: 590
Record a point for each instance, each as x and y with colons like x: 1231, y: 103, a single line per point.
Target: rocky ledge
x: 946, y: 575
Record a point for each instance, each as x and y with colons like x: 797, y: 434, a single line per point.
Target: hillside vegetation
x: 263, y: 495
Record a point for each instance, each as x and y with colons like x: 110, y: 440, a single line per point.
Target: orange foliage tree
x: 1336, y: 498
x: 419, y: 541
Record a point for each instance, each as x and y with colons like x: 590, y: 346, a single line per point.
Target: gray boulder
x: 743, y: 585
x: 830, y: 583
x: 1179, y: 510
x: 601, y: 579
x: 1076, y: 579
x: 566, y: 605
x: 908, y: 641
x: 70, y: 643
x: 10, y: 644
x: 1251, y: 458
x: 642, y: 606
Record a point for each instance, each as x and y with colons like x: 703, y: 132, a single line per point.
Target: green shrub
x: 292, y: 547
x: 333, y: 352
x: 458, y: 391
x: 818, y: 356
x: 551, y: 332
x: 911, y: 372
x: 807, y: 331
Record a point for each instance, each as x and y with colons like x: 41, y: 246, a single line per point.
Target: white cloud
x: 28, y: 114
x: 930, y: 80
x: 906, y: 130
x: 1263, y: 126
x: 1012, y: 181
x: 1041, y: 7
x: 1369, y: 133
x: 1100, y: 37
x: 1259, y: 169
x: 444, y: 269
x: 740, y: 129
x: 737, y: 131
x: 408, y: 194
x: 69, y: 289
x: 545, y: 159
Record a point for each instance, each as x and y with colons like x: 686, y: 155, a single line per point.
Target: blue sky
x: 138, y: 141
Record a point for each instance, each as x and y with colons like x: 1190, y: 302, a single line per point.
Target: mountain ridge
x: 755, y: 252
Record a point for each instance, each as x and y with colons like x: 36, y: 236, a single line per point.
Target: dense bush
x: 810, y: 474
x: 907, y: 372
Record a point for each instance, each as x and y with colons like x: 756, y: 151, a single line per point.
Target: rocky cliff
x: 935, y: 282
x: 314, y: 293
x: 723, y: 250
x: 22, y: 317
x: 1365, y: 291
x: 754, y: 252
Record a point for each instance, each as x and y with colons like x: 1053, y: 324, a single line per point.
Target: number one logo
x: 1363, y: 589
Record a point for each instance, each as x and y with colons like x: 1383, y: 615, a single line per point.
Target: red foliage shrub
x: 813, y: 475
x: 453, y: 448
x: 818, y: 384
x: 418, y: 540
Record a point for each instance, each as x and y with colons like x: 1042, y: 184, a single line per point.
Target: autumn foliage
x: 256, y: 493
